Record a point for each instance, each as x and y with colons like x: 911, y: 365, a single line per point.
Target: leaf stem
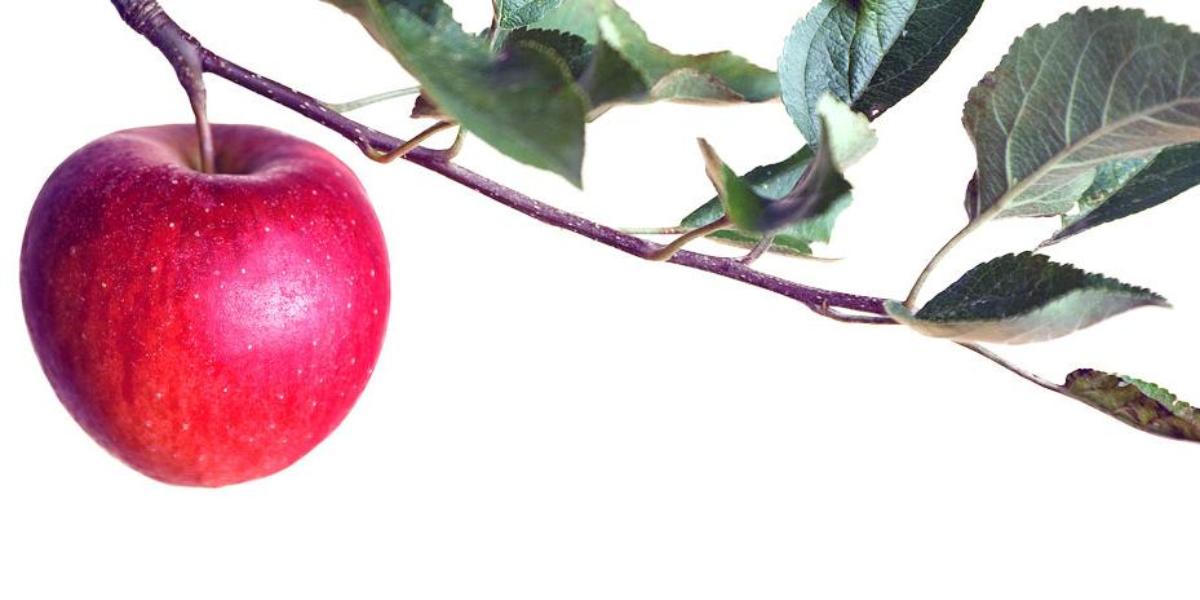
x: 353, y: 105
x: 654, y: 230
x: 414, y: 143
x: 915, y: 293
x: 368, y: 140
x: 666, y: 252
x: 1027, y: 375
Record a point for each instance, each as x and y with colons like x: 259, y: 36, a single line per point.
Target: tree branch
x: 147, y: 18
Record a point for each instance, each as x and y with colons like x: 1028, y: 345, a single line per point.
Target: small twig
x: 670, y: 250
x: 855, y: 319
x: 353, y: 105
x: 186, y: 56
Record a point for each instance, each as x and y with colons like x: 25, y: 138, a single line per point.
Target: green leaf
x: 660, y: 74
x: 610, y: 79
x: 868, y: 53
x: 774, y: 181
x: 846, y: 137
x: 574, y: 50
x: 514, y: 14
x: 1078, y: 109
x: 522, y: 101
x: 1023, y: 298
x: 1169, y: 174
x: 1137, y: 403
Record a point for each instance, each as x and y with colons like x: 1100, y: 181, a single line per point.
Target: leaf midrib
x: 1054, y: 162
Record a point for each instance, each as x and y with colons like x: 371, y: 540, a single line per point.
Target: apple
x: 206, y: 329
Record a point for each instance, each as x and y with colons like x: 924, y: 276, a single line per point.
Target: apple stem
x: 148, y: 19
x: 185, y: 55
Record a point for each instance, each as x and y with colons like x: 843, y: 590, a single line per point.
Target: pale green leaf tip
x: 850, y: 133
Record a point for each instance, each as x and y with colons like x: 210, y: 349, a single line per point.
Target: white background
x: 553, y: 419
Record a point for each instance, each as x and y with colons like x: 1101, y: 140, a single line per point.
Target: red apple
x: 206, y: 329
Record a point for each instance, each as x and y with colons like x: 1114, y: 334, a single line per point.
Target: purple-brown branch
x: 182, y: 50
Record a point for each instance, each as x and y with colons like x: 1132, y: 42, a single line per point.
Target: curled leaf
x: 1023, y: 298
x: 1136, y: 403
x: 846, y: 137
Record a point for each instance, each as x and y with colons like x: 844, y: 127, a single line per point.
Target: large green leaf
x: 513, y: 14
x: 663, y: 75
x: 868, y: 53
x: 1137, y: 403
x: 1023, y: 298
x: 1078, y: 110
x: 1167, y: 175
x: 523, y: 101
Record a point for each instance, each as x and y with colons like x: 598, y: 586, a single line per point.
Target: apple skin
x: 206, y: 329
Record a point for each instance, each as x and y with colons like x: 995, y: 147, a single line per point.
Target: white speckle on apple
x: 153, y: 268
x: 267, y: 229
x: 243, y: 270
x: 103, y: 285
x: 225, y: 390
x: 158, y: 395
x: 184, y: 426
x: 195, y: 296
x: 171, y: 224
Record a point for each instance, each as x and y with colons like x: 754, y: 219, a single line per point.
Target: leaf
x: 1078, y: 109
x: 1023, y: 298
x: 521, y: 101
x: 514, y: 14
x: 775, y: 181
x: 713, y: 77
x: 1169, y: 174
x: 846, y: 137
x: 574, y: 50
x: 868, y: 53
x: 1137, y: 403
